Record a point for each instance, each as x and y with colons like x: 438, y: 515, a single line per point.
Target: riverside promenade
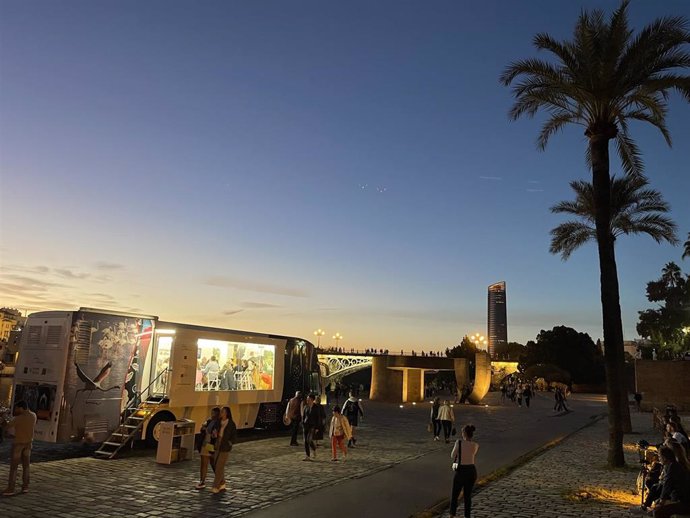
x: 570, y: 480
x: 396, y: 469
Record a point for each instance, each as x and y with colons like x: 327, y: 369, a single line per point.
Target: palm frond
x: 568, y: 237
x: 686, y: 248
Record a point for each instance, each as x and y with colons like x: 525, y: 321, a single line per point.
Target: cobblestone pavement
x: 568, y: 481
x: 259, y: 473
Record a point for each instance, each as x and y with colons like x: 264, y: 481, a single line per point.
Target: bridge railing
x: 378, y: 352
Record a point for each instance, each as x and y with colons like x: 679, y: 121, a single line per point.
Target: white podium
x: 176, y: 441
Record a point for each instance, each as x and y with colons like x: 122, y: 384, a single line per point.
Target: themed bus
x: 82, y: 371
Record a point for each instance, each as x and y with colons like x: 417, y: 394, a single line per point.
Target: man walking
x: 23, y: 423
x: 310, y: 424
x: 293, y: 415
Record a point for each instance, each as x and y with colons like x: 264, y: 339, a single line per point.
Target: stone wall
x: 662, y: 383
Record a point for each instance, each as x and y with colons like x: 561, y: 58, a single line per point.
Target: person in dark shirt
x: 310, y: 423
x: 675, y: 493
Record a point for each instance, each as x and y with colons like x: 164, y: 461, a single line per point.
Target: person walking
x: 447, y: 418
x: 209, y: 434
x: 352, y: 410
x: 519, y: 393
x: 227, y: 435
x: 435, y: 421
x: 321, y: 428
x: 463, y: 455
x: 527, y: 394
x: 310, y: 424
x: 338, y: 431
x: 293, y: 416
x: 24, y: 422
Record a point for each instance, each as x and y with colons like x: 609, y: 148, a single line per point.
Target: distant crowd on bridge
x: 376, y: 352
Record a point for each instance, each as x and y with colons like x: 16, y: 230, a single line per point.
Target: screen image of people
x: 234, y: 366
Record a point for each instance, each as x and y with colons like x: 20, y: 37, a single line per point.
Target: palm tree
x: 686, y: 248
x: 634, y: 210
x: 602, y: 79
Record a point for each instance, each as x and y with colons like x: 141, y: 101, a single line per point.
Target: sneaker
x: 8, y: 492
x: 334, y: 460
x: 294, y: 444
x: 436, y: 438
x: 215, y: 490
x: 306, y: 458
x: 25, y: 490
x: 200, y: 485
x: 640, y: 511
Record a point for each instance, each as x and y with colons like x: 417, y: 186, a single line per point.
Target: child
x: 339, y: 430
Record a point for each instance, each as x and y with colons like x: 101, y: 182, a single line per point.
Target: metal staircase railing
x: 132, y: 419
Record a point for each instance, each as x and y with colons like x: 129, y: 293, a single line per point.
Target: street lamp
x: 478, y: 340
x: 337, y: 337
x: 318, y: 334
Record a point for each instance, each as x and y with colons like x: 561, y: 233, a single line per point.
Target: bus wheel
x: 153, y: 428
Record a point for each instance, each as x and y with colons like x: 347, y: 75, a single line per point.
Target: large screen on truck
x: 225, y: 365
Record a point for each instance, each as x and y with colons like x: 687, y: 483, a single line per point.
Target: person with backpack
x: 352, y: 410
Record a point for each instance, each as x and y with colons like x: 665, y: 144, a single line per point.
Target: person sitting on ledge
x: 675, y: 490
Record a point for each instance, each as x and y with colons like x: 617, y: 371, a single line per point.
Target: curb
x: 442, y: 505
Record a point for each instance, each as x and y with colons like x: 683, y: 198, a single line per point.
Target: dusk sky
x: 287, y: 166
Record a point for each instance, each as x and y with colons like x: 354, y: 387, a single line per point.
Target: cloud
x: 69, y: 274
x: 221, y: 281
x: 105, y: 265
x: 231, y: 312
x: 259, y: 305
x: 534, y: 190
x: 533, y: 181
x: 493, y: 178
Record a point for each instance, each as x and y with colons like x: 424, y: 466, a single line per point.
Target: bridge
x: 397, y: 378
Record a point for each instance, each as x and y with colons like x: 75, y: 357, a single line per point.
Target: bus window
x: 234, y: 365
x: 162, y: 362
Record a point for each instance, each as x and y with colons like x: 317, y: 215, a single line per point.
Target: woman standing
x: 447, y: 418
x: 209, y: 434
x: 463, y: 456
x: 435, y: 421
x: 227, y: 435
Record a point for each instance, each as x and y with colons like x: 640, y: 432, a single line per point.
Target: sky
x: 287, y: 166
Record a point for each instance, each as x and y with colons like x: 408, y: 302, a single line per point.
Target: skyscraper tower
x: 497, y: 317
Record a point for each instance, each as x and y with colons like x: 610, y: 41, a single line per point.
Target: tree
x: 634, y: 210
x: 666, y: 325
x: 601, y: 80
x: 568, y: 350
x: 686, y: 248
x: 510, y: 351
x: 466, y: 349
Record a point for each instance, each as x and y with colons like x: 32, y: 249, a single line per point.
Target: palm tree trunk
x: 610, y: 303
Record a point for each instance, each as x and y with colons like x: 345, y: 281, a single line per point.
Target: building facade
x: 10, y: 319
x: 497, y: 317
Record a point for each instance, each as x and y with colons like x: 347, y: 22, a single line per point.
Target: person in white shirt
x: 447, y: 418
x: 463, y: 455
x: 339, y: 431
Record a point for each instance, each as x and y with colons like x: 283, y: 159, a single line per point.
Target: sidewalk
x: 570, y: 480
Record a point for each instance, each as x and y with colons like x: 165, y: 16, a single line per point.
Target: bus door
x: 161, y: 360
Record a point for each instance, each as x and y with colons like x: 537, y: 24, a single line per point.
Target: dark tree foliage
x: 567, y: 349
x: 667, y: 325
x: 510, y: 351
x: 466, y: 349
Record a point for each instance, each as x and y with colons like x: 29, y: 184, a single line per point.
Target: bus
x: 91, y: 374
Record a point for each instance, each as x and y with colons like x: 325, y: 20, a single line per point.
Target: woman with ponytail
x: 463, y: 455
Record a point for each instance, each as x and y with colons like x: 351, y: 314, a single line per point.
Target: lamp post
x: 337, y: 337
x: 318, y: 334
x: 478, y: 340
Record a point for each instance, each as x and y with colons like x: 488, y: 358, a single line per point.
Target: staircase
x: 132, y: 421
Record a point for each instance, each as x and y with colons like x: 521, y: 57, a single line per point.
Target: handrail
x: 138, y: 395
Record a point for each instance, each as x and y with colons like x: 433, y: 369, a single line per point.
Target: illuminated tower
x: 498, y: 320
